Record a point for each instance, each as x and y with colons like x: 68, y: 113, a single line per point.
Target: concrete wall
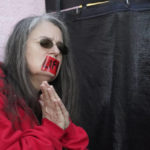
x: 11, y: 11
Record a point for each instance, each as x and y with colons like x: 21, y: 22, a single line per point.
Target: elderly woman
x: 36, y: 80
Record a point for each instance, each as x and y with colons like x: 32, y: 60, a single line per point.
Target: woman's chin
x: 49, y: 76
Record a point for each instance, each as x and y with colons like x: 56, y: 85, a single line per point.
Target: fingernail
x: 49, y: 89
x: 45, y: 82
x: 41, y: 102
x: 41, y: 85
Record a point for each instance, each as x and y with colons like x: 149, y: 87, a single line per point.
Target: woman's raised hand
x: 52, y: 107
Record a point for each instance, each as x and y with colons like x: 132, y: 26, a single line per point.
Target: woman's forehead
x: 46, y: 29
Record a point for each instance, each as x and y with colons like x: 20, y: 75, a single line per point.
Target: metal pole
x: 127, y: 1
x: 58, y: 5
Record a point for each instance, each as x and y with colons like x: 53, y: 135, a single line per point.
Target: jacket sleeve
x: 75, y: 138
x: 43, y: 137
x: 46, y: 136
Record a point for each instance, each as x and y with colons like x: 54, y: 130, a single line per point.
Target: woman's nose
x: 55, y: 50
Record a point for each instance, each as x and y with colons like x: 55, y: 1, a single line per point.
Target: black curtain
x: 111, y: 47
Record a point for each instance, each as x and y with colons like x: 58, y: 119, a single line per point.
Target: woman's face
x: 42, y: 42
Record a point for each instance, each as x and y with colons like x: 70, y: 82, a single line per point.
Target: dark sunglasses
x: 48, y: 43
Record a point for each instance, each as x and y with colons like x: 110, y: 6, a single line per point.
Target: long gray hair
x: 16, y: 68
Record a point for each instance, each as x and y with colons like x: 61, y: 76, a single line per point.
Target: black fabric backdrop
x: 111, y: 46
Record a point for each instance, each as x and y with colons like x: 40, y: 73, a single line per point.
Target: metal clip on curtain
x: 81, y: 6
x: 127, y: 2
x: 58, y: 5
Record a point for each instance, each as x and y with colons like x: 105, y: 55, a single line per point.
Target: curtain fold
x: 111, y: 48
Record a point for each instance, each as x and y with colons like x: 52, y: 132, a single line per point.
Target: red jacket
x: 46, y: 136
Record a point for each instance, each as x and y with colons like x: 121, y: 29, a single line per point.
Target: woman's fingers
x: 46, y: 84
x: 44, y: 92
x: 60, y: 102
x: 45, y: 102
x: 51, y: 109
x: 59, y: 112
x: 62, y: 107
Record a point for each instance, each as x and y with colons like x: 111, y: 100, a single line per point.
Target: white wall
x: 11, y: 11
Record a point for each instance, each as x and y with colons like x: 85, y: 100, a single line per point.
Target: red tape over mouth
x: 50, y: 65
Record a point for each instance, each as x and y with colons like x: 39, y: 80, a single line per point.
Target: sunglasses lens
x: 46, y: 43
x: 62, y: 48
